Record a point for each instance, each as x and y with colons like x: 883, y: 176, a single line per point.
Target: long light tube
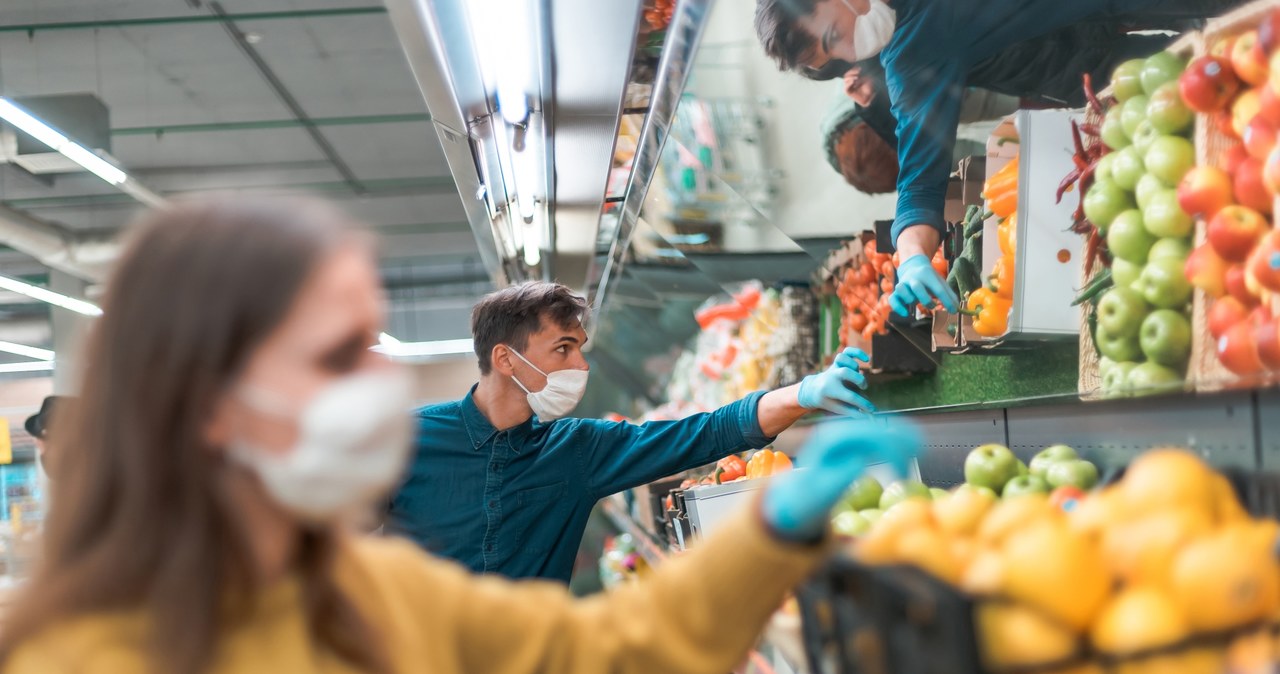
x: 441, y: 347
x: 35, y: 366
x: 60, y: 143
x: 24, y: 350
x: 533, y: 235
x: 49, y: 296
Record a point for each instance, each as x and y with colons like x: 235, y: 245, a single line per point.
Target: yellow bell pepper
x: 990, y: 312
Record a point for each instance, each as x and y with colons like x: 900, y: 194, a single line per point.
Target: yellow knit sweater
x: 698, y: 613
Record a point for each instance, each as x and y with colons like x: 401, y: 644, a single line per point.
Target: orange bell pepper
x: 1004, y: 204
x: 1007, y: 234
x: 767, y: 462
x: 1002, y: 277
x: 1002, y: 181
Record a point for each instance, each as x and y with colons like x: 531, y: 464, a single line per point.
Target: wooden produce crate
x: 1205, y: 372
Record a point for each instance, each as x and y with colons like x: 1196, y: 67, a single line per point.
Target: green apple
x: 1112, y: 132
x: 1119, y: 349
x: 1169, y: 158
x: 1022, y: 468
x: 1105, y: 364
x: 1125, y: 273
x: 991, y: 466
x: 1145, y: 137
x: 1121, y: 312
x: 1160, y: 68
x: 1126, y: 80
x: 1104, y: 202
x: 1128, y: 238
x: 1147, y: 187
x: 1165, y: 218
x: 1152, y: 378
x: 872, y: 515
x: 938, y: 494
x: 1024, y: 485
x: 1079, y: 473
x: 1164, y: 284
x: 1115, y: 382
x: 1103, y: 169
x: 1127, y: 168
x: 1048, y: 456
x: 864, y: 494
x: 902, y: 490
x: 1167, y: 112
x: 1177, y: 248
x: 850, y: 524
x: 1133, y: 112
x: 1165, y: 338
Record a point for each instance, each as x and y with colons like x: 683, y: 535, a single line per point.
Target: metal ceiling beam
x: 194, y: 18
x: 286, y: 97
x: 254, y: 125
x: 373, y: 188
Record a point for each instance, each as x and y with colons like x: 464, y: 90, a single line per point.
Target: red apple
x: 1248, y: 60
x: 1238, y: 350
x: 1204, y: 191
x: 1263, y: 266
x: 1224, y: 122
x: 1271, y: 172
x: 1259, y: 315
x: 1245, y: 108
x: 1238, y: 287
x: 1267, y: 335
x: 1234, y: 231
x: 1259, y: 138
x: 1208, y: 84
x: 1232, y: 158
x: 1269, y: 32
x: 1249, y: 189
x: 1269, y: 103
x: 1225, y: 313
x: 1207, y: 271
x: 1221, y: 48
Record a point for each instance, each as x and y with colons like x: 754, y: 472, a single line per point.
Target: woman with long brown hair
x: 231, y: 420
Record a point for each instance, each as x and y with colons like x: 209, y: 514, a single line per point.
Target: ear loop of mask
x: 526, y: 362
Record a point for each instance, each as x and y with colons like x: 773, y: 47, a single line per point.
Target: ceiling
x: 267, y: 95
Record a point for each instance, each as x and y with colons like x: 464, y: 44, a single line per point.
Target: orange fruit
x: 1058, y: 571
x: 985, y: 575
x: 1167, y: 478
x: 1190, y: 661
x: 1138, y: 619
x: 929, y: 550
x: 962, y: 512
x: 1013, y: 515
x: 1226, y: 579
x: 1142, y: 551
x: 1096, y: 512
x: 1012, y: 635
x: 880, y: 545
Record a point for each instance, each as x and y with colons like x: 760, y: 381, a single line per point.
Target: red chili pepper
x: 1092, y: 96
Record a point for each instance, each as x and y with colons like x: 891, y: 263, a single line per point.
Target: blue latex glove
x: 797, y: 504
x: 919, y: 283
x: 832, y: 389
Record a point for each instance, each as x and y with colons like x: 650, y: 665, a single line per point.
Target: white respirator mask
x: 563, y: 392
x: 873, y: 30
x: 353, y: 443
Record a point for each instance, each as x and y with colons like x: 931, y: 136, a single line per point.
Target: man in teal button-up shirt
x: 503, y: 491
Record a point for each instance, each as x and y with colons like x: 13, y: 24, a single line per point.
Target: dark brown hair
x: 866, y: 161
x: 511, y: 315
x: 780, y: 34
x: 141, y: 517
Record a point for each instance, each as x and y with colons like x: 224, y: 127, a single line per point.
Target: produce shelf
x: 652, y: 550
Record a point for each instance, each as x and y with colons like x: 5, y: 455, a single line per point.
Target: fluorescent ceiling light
x: 60, y: 143
x: 46, y: 295
x: 533, y: 237
x: 37, y: 366
x: 442, y: 347
x: 24, y: 350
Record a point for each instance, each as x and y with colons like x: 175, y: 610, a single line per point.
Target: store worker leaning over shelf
x: 233, y: 420
x: 927, y: 48
x: 504, y: 479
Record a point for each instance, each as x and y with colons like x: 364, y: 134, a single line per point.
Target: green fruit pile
x: 995, y: 467
x: 1143, y: 326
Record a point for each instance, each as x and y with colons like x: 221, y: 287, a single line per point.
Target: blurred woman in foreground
x: 231, y: 422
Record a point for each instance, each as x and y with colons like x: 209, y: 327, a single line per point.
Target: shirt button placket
x: 493, y: 503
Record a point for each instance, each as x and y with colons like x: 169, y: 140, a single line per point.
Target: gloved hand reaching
x: 797, y: 504
x: 832, y: 389
x: 919, y: 283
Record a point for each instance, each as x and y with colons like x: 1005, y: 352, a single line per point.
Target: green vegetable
x: 1100, y: 283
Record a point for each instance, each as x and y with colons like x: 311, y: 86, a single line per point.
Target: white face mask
x: 562, y: 393
x: 353, y: 443
x: 873, y: 30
